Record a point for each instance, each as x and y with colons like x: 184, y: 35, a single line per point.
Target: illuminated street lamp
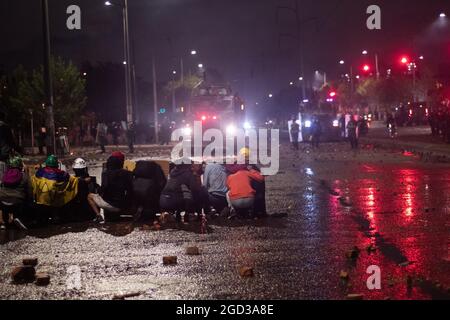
x: 442, y: 15
x: 341, y: 62
x: 365, y: 52
x: 200, y: 65
x: 270, y: 95
x: 193, y: 52
x: 127, y: 55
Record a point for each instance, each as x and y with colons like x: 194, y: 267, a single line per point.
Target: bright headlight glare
x: 231, y: 129
x: 307, y: 124
x: 335, y: 123
x: 247, y: 125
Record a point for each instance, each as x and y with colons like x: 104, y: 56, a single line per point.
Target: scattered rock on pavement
x: 192, y: 251
x: 23, y: 274
x: 30, y: 262
x: 126, y: 295
x: 246, y: 272
x: 355, y: 296
x: 42, y: 279
x: 169, y: 260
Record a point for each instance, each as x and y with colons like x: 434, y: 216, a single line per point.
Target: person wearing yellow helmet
x: 245, y: 152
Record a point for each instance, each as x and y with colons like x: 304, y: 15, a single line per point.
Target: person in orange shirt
x: 241, y: 195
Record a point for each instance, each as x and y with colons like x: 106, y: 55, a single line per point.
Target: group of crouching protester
x: 50, y: 195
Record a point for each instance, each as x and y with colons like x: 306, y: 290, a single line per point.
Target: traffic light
x: 366, y: 68
x: 333, y: 94
x: 404, y: 60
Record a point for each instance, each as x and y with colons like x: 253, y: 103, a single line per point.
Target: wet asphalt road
x: 395, y: 202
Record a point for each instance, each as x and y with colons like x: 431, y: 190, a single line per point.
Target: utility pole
x: 155, y: 100
x: 182, y: 71
x: 49, y: 100
x: 300, y: 46
x: 128, y: 65
x: 377, y: 67
x: 299, y: 37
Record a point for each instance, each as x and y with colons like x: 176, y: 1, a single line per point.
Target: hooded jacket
x: 148, y: 182
x: 116, y: 186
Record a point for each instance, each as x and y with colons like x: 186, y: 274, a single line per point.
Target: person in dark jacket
x: 352, y: 128
x: 148, y: 183
x: 182, y: 191
x: 316, y: 132
x: 115, y: 192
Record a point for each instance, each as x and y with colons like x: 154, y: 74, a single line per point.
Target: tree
x: 69, y: 93
x: 17, y: 114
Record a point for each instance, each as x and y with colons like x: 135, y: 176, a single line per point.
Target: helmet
x: 245, y: 152
x: 79, y: 163
x: 15, y: 162
x: 51, y: 161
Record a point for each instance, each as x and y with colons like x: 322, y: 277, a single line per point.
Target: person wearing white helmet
x: 86, y: 185
x: 80, y: 168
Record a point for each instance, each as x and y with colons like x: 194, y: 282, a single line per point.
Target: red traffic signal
x: 366, y: 68
x: 333, y: 94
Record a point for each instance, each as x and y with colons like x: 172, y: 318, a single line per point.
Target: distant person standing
x: 41, y: 138
x: 294, y: 132
x: 6, y: 143
x: 115, y: 133
x: 165, y: 132
x: 352, y: 129
x: 100, y: 139
x: 316, y: 131
x: 130, y: 136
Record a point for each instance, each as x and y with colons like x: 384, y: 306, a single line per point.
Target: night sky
x: 239, y: 38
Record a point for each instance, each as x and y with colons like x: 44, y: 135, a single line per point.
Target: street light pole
x: 48, y: 79
x: 155, y: 100
x: 128, y: 63
x: 376, y: 66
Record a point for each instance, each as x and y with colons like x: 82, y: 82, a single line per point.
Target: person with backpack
x: 14, y: 193
x: 148, y: 183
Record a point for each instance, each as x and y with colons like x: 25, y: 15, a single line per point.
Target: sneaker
x: 19, y: 224
x: 100, y: 218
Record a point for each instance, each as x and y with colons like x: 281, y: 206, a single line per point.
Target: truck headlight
x: 335, y: 123
x: 307, y: 124
x: 187, y: 131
